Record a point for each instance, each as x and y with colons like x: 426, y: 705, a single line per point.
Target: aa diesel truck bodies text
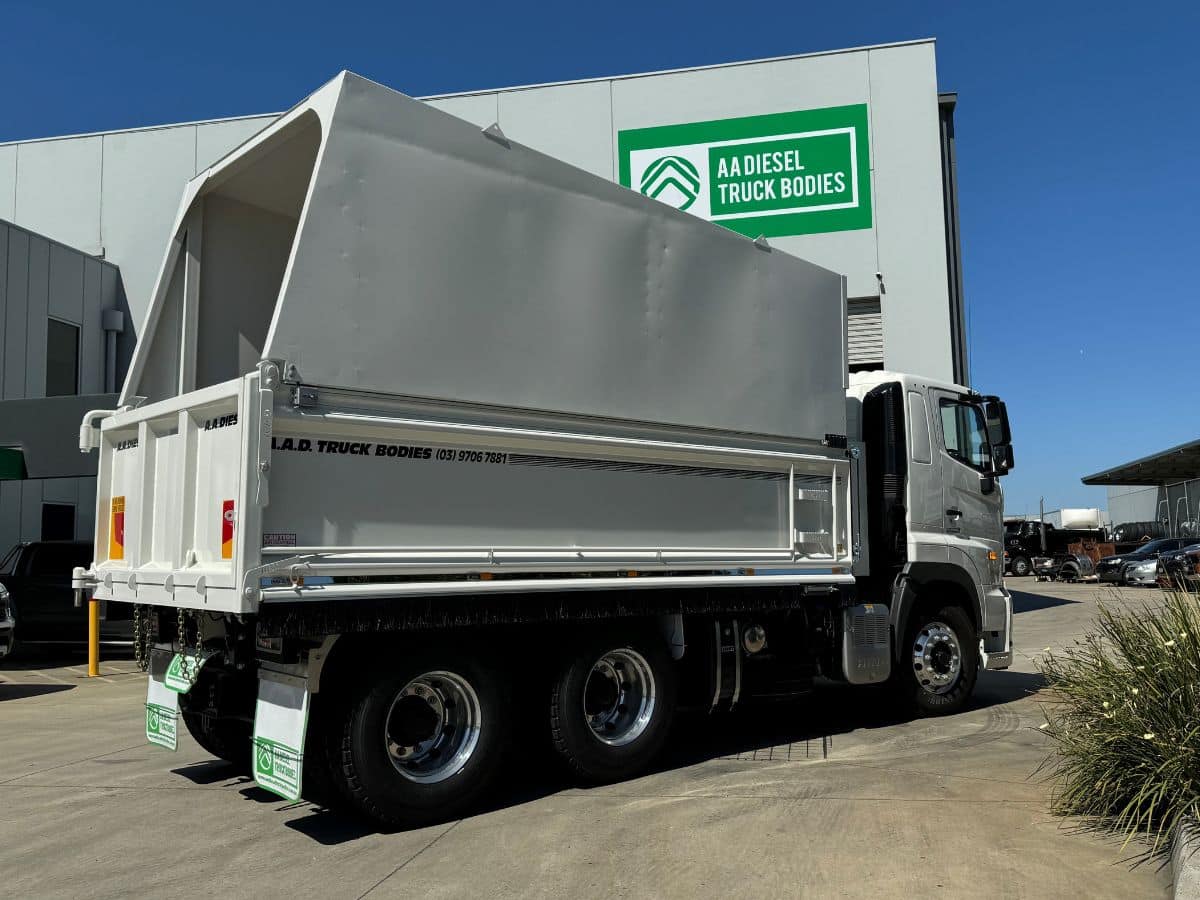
x: 430, y: 437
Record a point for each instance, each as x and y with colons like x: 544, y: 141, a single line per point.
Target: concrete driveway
x: 828, y: 798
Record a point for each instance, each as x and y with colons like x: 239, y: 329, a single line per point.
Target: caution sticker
x: 116, y: 529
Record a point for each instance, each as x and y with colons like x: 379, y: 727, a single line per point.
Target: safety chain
x: 141, y: 654
x: 197, y: 656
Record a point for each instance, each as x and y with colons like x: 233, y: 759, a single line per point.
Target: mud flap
x: 280, y: 721
x: 162, y: 714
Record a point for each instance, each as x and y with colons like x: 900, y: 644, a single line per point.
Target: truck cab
x: 935, y: 454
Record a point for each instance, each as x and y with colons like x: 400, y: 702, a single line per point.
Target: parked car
x: 1180, y: 569
x: 1138, y: 566
x: 1063, y: 567
x: 6, y: 624
x: 36, y: 579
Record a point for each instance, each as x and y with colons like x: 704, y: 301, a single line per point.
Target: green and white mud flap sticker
x: 182, y: 672
x: 280, y: 721
x: 162, y: 715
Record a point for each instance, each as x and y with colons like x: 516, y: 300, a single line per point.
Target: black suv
x: 37, y: 576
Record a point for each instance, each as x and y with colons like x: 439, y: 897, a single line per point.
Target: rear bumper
x: 7, y: 628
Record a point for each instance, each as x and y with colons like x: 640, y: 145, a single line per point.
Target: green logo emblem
x: 152, y: 720
x: 673, y: 180
x: 266, y: 759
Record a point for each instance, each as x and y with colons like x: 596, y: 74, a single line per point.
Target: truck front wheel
x: 611, y: 706
x: 422, y: 743
x: 941, y: 661
x: 1020, y: 566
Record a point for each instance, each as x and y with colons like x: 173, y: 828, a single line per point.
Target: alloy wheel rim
x: 619, y: 697
x: 432, y: 727
x: 937, y: 658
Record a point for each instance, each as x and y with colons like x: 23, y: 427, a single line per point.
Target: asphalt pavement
x: 831, y: 797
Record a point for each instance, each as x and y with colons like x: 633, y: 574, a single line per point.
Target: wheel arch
x: 922, y: 585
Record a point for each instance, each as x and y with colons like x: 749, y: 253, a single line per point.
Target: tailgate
x: 170, y: 496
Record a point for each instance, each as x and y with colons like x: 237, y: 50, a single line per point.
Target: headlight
x: 1148, y: 566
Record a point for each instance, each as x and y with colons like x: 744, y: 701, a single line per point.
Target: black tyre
x: 611, y: 706
x: 422, y: 742
x: 227, y: 739
x: 940, y: 661
x: 218, y: 713
x: 1020, y: 566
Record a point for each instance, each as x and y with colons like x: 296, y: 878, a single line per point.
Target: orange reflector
x: 227, y: 529
x: 486, y: 576
x: 116, y: 529
x: 749, y: 571
x: 992, y: 555
x: 632, y: 574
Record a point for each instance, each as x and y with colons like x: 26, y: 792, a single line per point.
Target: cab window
x: 964, y: 434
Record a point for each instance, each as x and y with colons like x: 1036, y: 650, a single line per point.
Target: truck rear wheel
x: 421, y: 743
x: 941, y: 662
x: 227, y: 739
x: 611, y: 706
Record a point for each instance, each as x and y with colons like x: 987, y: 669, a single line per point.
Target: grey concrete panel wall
x: 21, y: 507
x: 58, y: 190
x: 909, y: 212
x: 1133, y: 503
x: 480, y: 109
x: 66, y: 283
x: 91, y: 338
x: 3, y: 304
x: 144, y: 175
x: 85, y: 509
x: 571, y: 122
x: 758, y: 89
x: 16, y: 314
x: 10, y: 514
x: 215, y: 139
x: 36, y: 310
x: 8, y: 183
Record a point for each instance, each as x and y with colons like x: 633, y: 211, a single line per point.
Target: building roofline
x: 50, y: 240
x: 160, y: 127
x: 485, y: 91
x: 1186, y: 454
x: 653, y: 72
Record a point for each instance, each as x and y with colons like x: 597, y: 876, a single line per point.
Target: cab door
x: 972, y: 501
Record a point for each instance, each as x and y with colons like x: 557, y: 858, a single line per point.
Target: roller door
x: 864, y: 332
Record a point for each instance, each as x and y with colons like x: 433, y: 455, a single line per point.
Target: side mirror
x: 995, y: 416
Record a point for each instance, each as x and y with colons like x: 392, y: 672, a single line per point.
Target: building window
x: 62, y: 358
x: 58, y: 521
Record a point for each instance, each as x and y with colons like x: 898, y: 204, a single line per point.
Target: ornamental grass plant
x: 1124, y: 715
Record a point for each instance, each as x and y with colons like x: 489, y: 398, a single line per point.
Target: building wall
x: 906, y: 243
x: 118, y: 193
x: 39, y: 279
x: 114, y: 195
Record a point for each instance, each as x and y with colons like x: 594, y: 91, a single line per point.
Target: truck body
x: 425, y: 427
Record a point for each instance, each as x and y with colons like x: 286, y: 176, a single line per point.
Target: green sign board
x: 782, y: 174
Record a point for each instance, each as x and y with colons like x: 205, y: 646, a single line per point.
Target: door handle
x: 954, y: 512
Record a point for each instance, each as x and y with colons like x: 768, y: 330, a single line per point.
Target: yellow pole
x: 93, y: 637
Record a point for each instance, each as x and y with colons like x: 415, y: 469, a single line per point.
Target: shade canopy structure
x: 370, y: 242
x: 1181, y: 463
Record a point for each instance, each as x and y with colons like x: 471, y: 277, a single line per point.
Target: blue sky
x: 1078, y: 137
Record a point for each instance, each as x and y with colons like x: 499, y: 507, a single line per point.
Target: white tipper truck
x: 434, y: 446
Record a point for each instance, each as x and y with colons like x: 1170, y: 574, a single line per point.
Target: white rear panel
x: 170, y: 493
